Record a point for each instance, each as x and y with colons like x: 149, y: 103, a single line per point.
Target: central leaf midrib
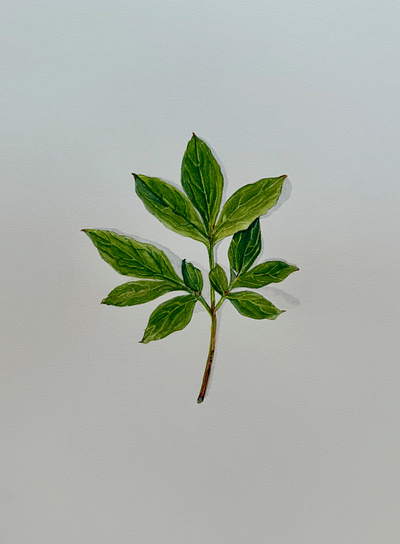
x: 202, y: 181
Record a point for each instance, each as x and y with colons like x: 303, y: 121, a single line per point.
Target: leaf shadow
x: 280, y: 296
x: 283, y: 197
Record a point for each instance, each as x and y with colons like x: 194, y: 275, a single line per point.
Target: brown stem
x: 210, y: 357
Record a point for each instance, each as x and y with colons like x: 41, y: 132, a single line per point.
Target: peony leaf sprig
x: 196, y: 213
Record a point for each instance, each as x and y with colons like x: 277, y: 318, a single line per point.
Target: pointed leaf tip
x: 170, y: 206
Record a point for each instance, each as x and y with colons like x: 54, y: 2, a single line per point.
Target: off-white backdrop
x: 101, y: 438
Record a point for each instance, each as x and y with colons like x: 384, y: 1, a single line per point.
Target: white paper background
x: 102, y: 439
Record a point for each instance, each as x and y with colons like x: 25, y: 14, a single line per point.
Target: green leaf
x: 245, y: 247
x: 265, y: 273
x: 219, y: 280
x: 170, y: 206
x: 254, y: 305
x: 192, y: 277
x: 202, y: 180
x: 246, y: 204
x: 132, y: 258
x: 139, y: 292
x: 169, y: 317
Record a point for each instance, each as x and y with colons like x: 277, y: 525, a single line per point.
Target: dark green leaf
x: 192, y: 277
x: 265, y: 273
x: 139, y: 292
x: 246, y: 204
x: 254, y: 305
x: 169, y: 317
x: 245, y: 247
x: 132, y: 258
x: 202, y: 180
x: 218, y: 279
x: 170, y: 206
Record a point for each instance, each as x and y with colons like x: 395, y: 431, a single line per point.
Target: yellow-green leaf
x: 131, y: 257
x: 254, y: 305
x: 218, y: 279
x: 169, y: 317
x: 202, y: 180
x: 139, y: 292
x: 170, y: 206
x: 264, y: 274
x: 246, y: 204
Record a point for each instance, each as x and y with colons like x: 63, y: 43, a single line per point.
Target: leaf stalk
x: 204, y: 303
x: 211, y: 263
x: 210, y: 358
x: 213, y: 338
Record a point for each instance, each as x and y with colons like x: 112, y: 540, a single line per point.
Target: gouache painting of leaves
x: 195, y: 212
